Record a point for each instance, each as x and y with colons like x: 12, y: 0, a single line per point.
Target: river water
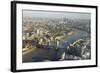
x: 55, y: 53
x: 78, y: 34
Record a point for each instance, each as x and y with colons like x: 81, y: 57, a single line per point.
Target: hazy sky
x: 52, y: 14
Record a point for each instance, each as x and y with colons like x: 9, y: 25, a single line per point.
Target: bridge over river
x: 45, y: 53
